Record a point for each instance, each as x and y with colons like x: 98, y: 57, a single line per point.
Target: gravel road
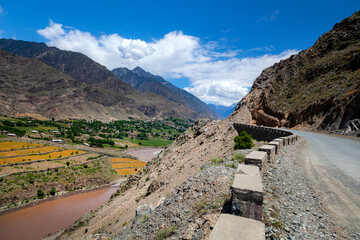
x: 313, y: 189
x: 333, y: 165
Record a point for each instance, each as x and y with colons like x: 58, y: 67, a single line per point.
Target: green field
x: 152, y: 142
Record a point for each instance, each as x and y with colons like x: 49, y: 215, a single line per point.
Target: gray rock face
x: 352, y: 128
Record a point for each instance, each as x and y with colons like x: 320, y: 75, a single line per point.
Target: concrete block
x: 248, y: 169
x: 247, y: 194
x: 270, y: 150
x: 277, y: 146
x: 286, y: 140
x: 232, y: 227
x: 257, y: 158
x: 281, y: 141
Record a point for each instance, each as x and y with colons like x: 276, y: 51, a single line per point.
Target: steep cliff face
x: 318, y: 88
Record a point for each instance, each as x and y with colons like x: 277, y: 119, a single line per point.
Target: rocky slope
x: 177, y: 179
x: 115, y: 99
x: 77, y: 65
x: 319, y: 88
x: 147, y: 82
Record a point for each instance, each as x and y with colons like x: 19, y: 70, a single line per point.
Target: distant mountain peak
x: 147, y: 82
x: 141, y: 72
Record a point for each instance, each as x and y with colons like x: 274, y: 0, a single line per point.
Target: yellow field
x: 29, y: 151
x: 129, y: 164
x: 137, y: 164
x: 126, y: 171
x: 6, y: 146
x: 49, y: 156
x: 123, y: 160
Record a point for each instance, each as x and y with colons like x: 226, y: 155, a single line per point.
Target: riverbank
x: 52, y: 216
x: 114, y: 184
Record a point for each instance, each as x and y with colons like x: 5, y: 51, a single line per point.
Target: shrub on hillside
x: 40, y: 193
x: 243, y: 141
x: 52, y: 191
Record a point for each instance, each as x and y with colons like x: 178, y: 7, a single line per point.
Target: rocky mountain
x: 31, y: 86
x: 319, y: 88
x: 147, y: 82
x: 115, y: 98
x: 77, y: 65
x: 224, y: 111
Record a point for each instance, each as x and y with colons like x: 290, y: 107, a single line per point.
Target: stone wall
x: 261, y: 133
x: 245, y: 219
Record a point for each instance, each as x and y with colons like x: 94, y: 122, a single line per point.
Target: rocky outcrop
x: 318, y: 88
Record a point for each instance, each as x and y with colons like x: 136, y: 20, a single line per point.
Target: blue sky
x: 213, y: 49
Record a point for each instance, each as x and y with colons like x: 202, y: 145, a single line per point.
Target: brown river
x: 49, y: 217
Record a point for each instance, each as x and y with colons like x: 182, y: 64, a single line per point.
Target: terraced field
x: 30, y: 151
x: 126, y: 166
x: 36, y: 166
x: 123, y: 160
x: 126, y: 171
x: 8, y: 146
x: 48, y: 156
x: 137, y: 164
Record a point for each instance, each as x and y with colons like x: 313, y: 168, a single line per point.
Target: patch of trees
x: 94, y: 142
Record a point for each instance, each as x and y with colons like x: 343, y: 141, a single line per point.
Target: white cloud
x: 2, y: 11
x: 215, y: 76
x: 270, y: 16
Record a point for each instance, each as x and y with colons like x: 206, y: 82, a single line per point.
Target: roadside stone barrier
x: 276, y: 144
x: 247, y: 193
x: 281, y: 141
x: 270, y: 150
x: 232, y: 227
x: 244, y: 221
x: 257, y: 158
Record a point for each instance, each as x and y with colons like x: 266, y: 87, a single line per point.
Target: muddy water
x: 144, y: 154
x: 38, y: 221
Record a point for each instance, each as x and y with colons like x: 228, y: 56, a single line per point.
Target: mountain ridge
x: 129, y: 101
x: 147, y: 82
x: 319, y: 88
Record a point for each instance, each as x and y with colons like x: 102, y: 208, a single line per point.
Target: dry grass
x: 138, y: 164
x: 32, y: 115
x: 7, y: 146
x: 123, y: 160
x: 29, y: 151
x: 49, y: 156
